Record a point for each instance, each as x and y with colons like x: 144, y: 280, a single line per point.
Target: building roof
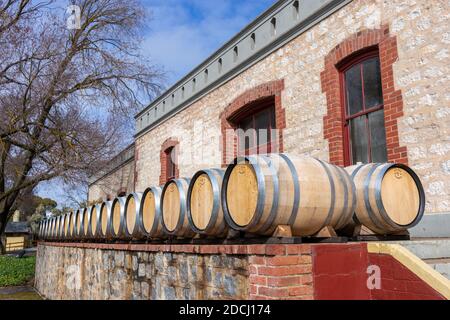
x: 17, y: 227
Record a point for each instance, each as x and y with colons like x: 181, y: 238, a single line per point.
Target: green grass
x: 16, y: 272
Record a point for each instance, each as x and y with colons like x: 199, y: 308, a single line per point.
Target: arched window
x: 255, y: 128
x: 169, y: 160
x: 254, y: 122
x: 364, y: 126
x: 170, y: 163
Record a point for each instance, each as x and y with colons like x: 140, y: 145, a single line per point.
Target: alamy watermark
x: 374, y: 279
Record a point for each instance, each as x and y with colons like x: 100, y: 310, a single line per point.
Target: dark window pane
x: 171, y: 163
x: 262, y: 120
x: 372, y: 83
x: 377, y: 136
x: 359, y: 140
x: 246, y: 138
x: 262, y: 125
x: 246, y: 123
x: 353, y: 85
x: 255, y: 131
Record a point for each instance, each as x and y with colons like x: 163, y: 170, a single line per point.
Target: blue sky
x: 183, y: 33
x: 180, y: 35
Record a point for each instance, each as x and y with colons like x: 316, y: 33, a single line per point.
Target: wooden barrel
x: 49, y: 228
x: 62, y: 219
x: 62, y: 232
x: 132, y: 208
x: 67, y: 225
x: 71, y: 228
x: 204, y: 205
x: 42, y: 230
x: 44, y: 225
x: 79, y: 224
x: 173, y: 207
x: 58, y: 228
x: 84, y: 223
x: 52, y: 228
x: 55, y: 228
x: 390, y: 197
x: 104, y: 221
x: 264, y: 191
x: 94, y: 212
x: 45, y: 230
x: 149, y: 217
x: 117, y: 217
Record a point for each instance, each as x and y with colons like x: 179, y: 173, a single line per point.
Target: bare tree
x: 66, y: 95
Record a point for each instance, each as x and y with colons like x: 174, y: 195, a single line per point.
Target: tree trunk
x: 3, y: 222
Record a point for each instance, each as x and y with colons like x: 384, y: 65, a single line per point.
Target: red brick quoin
x: 245, y: 101
x: 393, y: 102
x: 169, y: 143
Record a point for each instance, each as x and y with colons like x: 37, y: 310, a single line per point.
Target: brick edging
x: 256, y: 249
x: 169, y: 143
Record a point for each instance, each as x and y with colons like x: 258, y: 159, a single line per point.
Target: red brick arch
x: 393, y: 102
x: 246, y: 99
x: 169, y: 143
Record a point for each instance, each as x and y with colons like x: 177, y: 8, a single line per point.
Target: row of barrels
x: 255, y: 194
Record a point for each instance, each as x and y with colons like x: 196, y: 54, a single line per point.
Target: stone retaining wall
x: 90, y: 271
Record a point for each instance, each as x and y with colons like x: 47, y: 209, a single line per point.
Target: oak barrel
x: 173, y: 208
x: 46, y: 229
x: 263, y: 191
x: 105, y: 221
x: 78, y: 224
x: 50, y: 228
x: 64, y: 227
x: 149, y: 218
x: 132, y: 208
x: 94, y: 225
x: 117, y: 218
x: 84, y: 223
x: 58, y: 227
x: 204, y: 205
x: 71, y: 231
x: 390, y: 197
x: 61, y: 227
x: 67, y: 232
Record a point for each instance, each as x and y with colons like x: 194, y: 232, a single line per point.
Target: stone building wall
x: 421, y: 74
x: 118, y: 181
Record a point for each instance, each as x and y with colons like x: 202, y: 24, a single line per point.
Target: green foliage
x: 34, y: 220
x: 47, y: 203
x: 16, y: 271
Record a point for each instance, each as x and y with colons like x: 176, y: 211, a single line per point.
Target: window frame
x: 171, y: 166
x: 349, y: 63
x: 252, y: 111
